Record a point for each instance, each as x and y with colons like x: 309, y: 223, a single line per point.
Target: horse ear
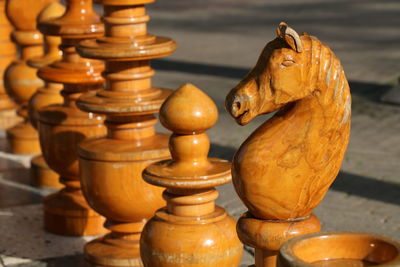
x: 290, y: 36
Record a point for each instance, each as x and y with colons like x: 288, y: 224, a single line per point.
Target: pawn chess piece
x: 190, y: 230
x: 63, y: 126
x: 339, y: 249
x: 8, y: 52
x: 111, y: 167
x: 20, y: 79
x: 41, y: 174
x: 283, y: 170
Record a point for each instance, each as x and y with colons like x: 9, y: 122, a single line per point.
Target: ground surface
x: 218, y: 42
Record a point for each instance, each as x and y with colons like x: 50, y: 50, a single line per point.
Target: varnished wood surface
x: 41, y: 174
x: 111, y: 166
x: 8, y: 116
x: 190, y: 230
x: 63, y: 126
x: 284, y: 168
x: 339, y: 249
x: 20, y: 79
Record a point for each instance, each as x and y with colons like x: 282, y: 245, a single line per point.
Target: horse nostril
x: 236, y: 106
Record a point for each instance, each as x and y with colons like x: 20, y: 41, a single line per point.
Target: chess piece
x: 20, y: 79
x: 283, y: 170
x: 8, y: 115
x: 63, y: 126
x: 111, y: 167
x: 190, y: 230
x: 339, y: 249
x: 41, y: 174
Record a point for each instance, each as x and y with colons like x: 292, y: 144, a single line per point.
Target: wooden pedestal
x: 111, y: 166
x: 63, y: 126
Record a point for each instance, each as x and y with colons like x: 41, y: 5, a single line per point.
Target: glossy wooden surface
x: 284, y: 168
x: 8, y: 115
x: 41, y: 174
x: 339, y: 249
x: 190, y: 230
x: 63, y: 126
x: 20, y: 79
x: 111, y: 167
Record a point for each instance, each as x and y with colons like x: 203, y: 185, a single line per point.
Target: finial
x: 188, y: 110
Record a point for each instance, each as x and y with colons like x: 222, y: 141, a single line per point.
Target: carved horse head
x: 275, y: 80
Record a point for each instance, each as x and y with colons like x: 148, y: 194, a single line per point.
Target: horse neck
x: 330, y: 96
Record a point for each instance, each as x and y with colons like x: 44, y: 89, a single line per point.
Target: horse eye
x: 287, y: 63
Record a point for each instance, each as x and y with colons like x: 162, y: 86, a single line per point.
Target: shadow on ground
x: 66, y: 261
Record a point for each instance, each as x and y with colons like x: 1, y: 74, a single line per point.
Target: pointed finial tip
x: 188, y: 110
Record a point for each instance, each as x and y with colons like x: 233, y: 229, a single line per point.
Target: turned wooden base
x: 23, y: 139
x: 9, y: 118
x: 116, y: 249
x: 67, y: 213
x: 42, y: 175
x: 267, y: 236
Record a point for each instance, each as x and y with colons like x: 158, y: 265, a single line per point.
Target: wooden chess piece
x: 283, y: 170
x: 20, y: 79
x: 63, y: 126
x: 41, y: 174
x: 8, y: 52
x: 190, y: 230
x: 111, y: 167
x: 339, y: 249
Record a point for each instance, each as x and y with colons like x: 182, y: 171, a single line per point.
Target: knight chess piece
x: 284, y: 169
x: 19, y: 78
x: 8, y: 115
x: 41, y: 174
x: 190, y: 230
x: 63, y: 126
x: 339, y: 249
x: 111, y: 167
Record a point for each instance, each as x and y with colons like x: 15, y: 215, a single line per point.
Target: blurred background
x: 218, y: 43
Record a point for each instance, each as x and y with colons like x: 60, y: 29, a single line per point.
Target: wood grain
x: 284, y: 168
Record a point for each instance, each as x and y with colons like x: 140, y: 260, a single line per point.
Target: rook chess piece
x: 190, y: 230
x: 20, y: 79
x: 111, y: 167
x: 63, y: 126
x: 41, y: 174
x: 283, y: 170
x: 8, y: 115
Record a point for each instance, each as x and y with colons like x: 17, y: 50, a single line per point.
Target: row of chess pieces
x: 79, y: 96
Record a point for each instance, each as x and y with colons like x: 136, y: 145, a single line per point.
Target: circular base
x: 9, y: 118
x: 99, y: 252
x: 42, y: 175
x: 23, y: 139
x: 67, y: 213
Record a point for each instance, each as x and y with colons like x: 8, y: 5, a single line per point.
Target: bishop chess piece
x: 111, y: 167
x: 41, y: 174
x: 20, y: 79
x: 283, y: 170
x: 190, y: 230
x: 8, y: 115
x: 63, y: 126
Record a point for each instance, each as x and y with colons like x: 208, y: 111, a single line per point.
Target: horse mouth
x: 242, y: 118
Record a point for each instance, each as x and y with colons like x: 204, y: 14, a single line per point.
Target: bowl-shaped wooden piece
x: 339, y: 249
